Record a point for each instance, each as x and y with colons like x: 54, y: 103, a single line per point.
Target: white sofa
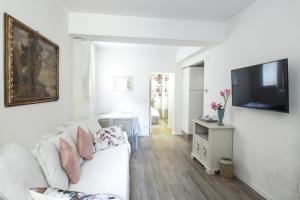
x: 106, y: 173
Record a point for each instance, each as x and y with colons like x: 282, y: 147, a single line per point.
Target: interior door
x: 195, y: 107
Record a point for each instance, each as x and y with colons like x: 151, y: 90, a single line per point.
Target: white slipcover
x: 19, y: 171
x: 107, y: 173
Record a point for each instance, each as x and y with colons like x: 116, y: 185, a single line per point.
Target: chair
x: 104, y: 122
x: 127, y: 125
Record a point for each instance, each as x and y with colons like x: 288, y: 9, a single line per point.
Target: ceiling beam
x: 146, y: 30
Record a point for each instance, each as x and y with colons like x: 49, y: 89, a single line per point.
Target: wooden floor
x: 162, y: 169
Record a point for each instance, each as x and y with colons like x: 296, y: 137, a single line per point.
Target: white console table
x: 211, y: 142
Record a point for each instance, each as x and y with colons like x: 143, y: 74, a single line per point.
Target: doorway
x: 161, y: 103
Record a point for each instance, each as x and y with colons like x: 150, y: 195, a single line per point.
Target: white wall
x: 134, y: 60
x: 185, y: 52
x: 83, y: 79
x: 25, y: 124
x: 266, y: 144
x: 146, y: 30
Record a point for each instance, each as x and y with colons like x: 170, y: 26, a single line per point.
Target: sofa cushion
x: 49, y: 160
x: 66, y: 136
x: 57, y: 194
x: 2, y: 197
x: 50, y: 135
x: 72, y: 130
x: 85, y: 146
x: 89, y: 125
x: 19, y: 171
x: 107, y: 173
x: 70, y: 160
x: 92, y: 124
x: 48, y: 193
x: 108, y: 137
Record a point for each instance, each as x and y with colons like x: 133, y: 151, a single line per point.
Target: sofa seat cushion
x: 107, y: 173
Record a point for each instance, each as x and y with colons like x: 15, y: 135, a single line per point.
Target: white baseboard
x: 175, y: 133
x: 254, y: 187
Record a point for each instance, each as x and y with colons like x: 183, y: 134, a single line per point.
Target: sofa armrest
x: 127, y: 142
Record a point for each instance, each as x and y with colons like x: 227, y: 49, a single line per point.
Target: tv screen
x: 264, y: 86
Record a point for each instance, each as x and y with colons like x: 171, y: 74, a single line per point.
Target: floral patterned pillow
x: 108, y: 137
x: 101, y: 197
x: 54, y: 194
x: 57, y: 194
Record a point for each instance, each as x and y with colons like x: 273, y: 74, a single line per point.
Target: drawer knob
x: 197, y: 146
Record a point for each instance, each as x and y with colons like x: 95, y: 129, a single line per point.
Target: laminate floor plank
x: 162, y: 169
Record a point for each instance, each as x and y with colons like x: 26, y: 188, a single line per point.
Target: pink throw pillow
x: 70, y: 161
x: 84, y: 144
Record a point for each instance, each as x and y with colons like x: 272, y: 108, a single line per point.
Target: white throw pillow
x: 50, y: 135
x: 89, y: 125
x: 108, y: 137
x: 67, y: 137
x: 19, y: 171
x: 49, y: 159
x: 92, y: 124
x: 72, y: 130
x: 2, y: 197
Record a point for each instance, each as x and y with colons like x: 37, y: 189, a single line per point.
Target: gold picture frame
x: 31, y: 65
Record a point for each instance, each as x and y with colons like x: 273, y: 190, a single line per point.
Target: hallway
x: 160, y: 128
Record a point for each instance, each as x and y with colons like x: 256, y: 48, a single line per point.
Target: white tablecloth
x: 123, y: 115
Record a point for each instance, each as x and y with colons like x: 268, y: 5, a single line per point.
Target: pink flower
x: 222, y: 93
x: 228, y: 91
x: 214, y: 105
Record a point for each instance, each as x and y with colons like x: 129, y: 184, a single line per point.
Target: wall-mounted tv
x: 264, y: 86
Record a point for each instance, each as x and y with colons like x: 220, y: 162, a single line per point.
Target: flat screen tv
x: 264, y: 86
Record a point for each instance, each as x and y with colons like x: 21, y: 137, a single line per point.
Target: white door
x: 196, y: 78
x: 195, y: 107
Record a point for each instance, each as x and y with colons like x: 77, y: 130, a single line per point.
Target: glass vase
x: 221, y: 113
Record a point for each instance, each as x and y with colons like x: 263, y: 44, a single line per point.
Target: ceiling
x: 206, y: 10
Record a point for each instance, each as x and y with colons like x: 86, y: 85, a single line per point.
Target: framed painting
x: 31, y: 65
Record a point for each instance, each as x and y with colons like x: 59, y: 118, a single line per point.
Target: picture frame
x: 31, y: 65
x: 123, y: 83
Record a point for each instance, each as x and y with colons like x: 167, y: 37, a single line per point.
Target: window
x: 270, y: 74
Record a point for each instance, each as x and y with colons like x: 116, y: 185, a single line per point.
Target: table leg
x: 132, y: 142
x: 136, y: 141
